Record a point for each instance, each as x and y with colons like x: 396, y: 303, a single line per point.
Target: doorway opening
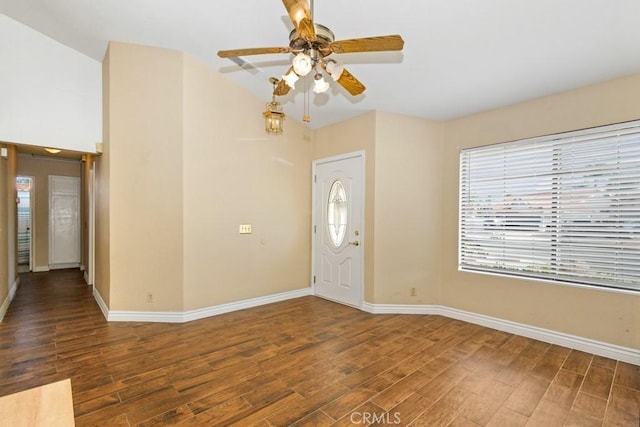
x: 24, y: 187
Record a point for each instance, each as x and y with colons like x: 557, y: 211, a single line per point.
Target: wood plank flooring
x: 303, y: 362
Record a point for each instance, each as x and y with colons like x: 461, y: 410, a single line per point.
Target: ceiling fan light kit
x: 319, y: 84
x: 334, y: 69
x: 291, y: 78
x: 311, y: 43
x: 302, y: 64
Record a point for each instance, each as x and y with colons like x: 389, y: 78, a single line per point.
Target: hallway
x: 51, y: 314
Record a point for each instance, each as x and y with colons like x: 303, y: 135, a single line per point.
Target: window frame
x: 470, y: 261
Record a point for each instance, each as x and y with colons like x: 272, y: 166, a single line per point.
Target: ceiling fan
x: 311, y: 44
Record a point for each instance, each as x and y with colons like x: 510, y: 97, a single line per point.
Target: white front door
x: 64, y: 222
x: 337, y: 230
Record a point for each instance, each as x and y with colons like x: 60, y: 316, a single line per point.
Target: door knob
x: 355, y: 243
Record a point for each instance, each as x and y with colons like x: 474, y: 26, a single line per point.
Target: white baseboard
x: 4, y: 307
x: 64, y: 266
x: 103, y: 305
x: 625, y: 354
x: 612, y: 351
x: 146, y: 316
x: 14, y: 288
x: 241, y: 305
x: 398, y: 308
x: 7, y: 301
x: 86, y: 278
x: 40, y: 268
x: 201, y: 313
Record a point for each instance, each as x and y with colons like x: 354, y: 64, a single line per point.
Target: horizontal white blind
x: 563, y: 207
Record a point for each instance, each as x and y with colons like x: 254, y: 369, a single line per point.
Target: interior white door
x: 64, y: 222
x: 338, y: 238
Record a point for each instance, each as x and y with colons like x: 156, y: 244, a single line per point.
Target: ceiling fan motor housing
x: 324, y: 37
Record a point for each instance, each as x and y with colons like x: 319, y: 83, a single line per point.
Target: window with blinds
x: 563, y: 207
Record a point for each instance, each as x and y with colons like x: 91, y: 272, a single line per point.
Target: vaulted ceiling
x: 459, y: 57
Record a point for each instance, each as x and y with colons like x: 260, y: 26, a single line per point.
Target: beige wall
x: 40, y: 168
x: 408, y: 215
x: 186, y: 160
x: 12, y: 215
x: 402, y: 201
x: 605, y: 316
x: 8, y: 218
x: 349, y: 136
x: 4, y: 235
x: 144, y: 166
x: 234, y: 173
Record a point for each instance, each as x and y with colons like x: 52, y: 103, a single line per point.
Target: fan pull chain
x: 306, y: 117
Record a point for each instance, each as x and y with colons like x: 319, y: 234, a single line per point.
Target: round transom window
x: 337, y: 213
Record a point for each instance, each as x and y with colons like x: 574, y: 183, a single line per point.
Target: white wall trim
x: 4, y: 307
x: 103, y: 305
x: 215, y: 310
x: 7, y: 301
x: 201, y: 313
x: 64, y: 266
x: 397, y: 308
x: 14, y: 288
x: 145, y: 316
x: 40, y: 268
x: 612, y: 351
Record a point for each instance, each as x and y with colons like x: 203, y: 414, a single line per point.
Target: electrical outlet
x: 149, y: 297
x: 245, y: 229
x: 413, y: 292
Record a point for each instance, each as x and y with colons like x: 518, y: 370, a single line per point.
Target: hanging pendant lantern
x: 273, y: 114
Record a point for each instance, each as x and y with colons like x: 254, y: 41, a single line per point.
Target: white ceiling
x: 460, y: 56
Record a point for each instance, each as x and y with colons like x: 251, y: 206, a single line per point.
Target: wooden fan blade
x: 300, y: 15
x: 368, y: 44
x: 350, y: 83
x: 252, y: 51
x: 282, y: 88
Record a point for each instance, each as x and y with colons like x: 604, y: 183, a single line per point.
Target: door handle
x: 355, y: 243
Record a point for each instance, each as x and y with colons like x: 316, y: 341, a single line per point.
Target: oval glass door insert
x: 337, y: 213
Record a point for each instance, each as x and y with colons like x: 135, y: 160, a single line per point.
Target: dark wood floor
x: 301, y: 362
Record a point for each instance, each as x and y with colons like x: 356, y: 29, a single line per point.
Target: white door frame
x: 91, y: 241
x: 356, y: 154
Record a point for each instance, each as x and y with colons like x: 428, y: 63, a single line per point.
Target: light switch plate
x: 245, y: 229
